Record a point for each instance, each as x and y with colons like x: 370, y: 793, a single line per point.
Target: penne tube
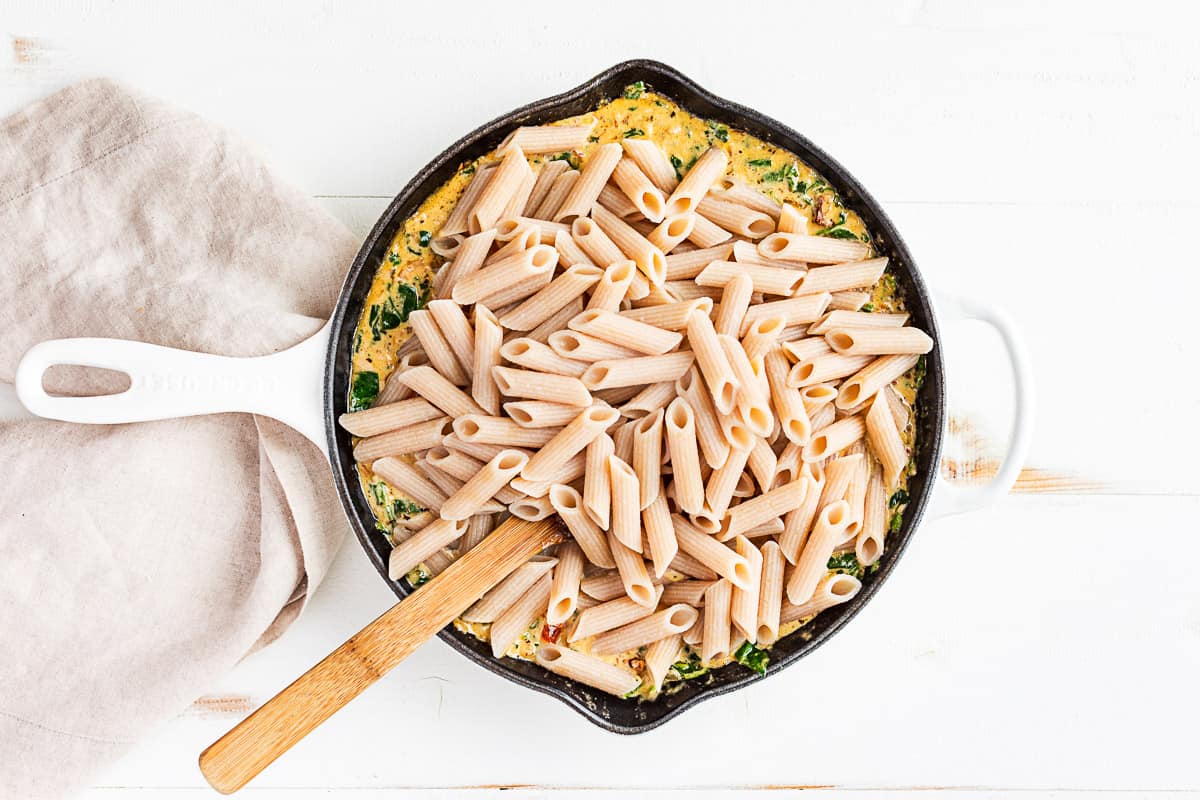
x: 731, y: 190
x: 786, y: 400
x: 713, y: 444
x: 571, y: 440
x: 570, y: 284
x: 611, y: 373
x: 823, y: 369
x: 504, y: 183
x: 531, y: 508
x: 586, y: 669
x: 880, y: 372
x: 743, y: 607
x: 848, y: 301
x: 412, y: 439
x: 648, y: 400
x: 744, y: 252
x: 509, y: 590
x: 612, y: 286
x: 791, y: 220
x: 671, y: 316
x: 612, y: 198
x: 687, y: 265
x: 446, y: 484
x: 625, y: 332
x: 807, y: 349
x: 688, y: 290
x: 483, y: 485
x: 594, y: 242
x: 632, y: 569
x: 660, y: 534
x: 517, y: 618
x: 391, y: 417
x: 516, y: 204
x: 537, y: 262
x: 487, y: 346
x: 745, y: 484
x: 603, y: 586
x: 652, y: 161
x: 541, y: 186
x: 735, y: 299
x: 623, y: 441
x: 816, y: 396
x: 559, y: 189
x: 878, y: 341
x: 569, y: 506
x: 714, y: 644
x: 641, y: 191
x: 482, y: 429
x: 546, y: 386
x: 737, y: 219
x: 711, y: 553
x: 714, y: 365
x: 838, y: 475
x: 750, y: 406
x: 568, y: 473
x: 464, y: 467
x: 540, y: 413
x: 639, y: 288
x: 758, y: 510
x: 434, y: 343
x: 688, y: 591
x: 698, y: 180
x: 856, y: 494
x: 689, y: 565
x: 539, y: 357
x: 597, y: 168
x: 841, y: 276
x: 831, y: 591
x: 564, y: 586
x: 625, y: 519
x: 612, y: 614
x: 719, y: 490
x: 661, y: 655
x: 671, y: 621
x: 768, y: 280
x: 787, y: 464
x: 735, y: 432
x: 680, y: 423
x: 762, y: 463
x: 672, y: 232
x: 517, y: 238
x: 435, y: 388
x: 457, y: 222
x: 648, y: 258
x: 597, y: 493
x: 829, y: 530
x: 884, y: 438
x: 706, y: 521
x: 762, y: 337
x: 395, y: 390
x: 706, y: 233
x: 856, y: 319
x: 541, y: 139
x: 447, y: 246
x: 423, y: 544
x: 868, y: 545
x: 542, y: 332
x: 813, y: 249
x: 647, y: 456
x: 770, y: 593
x: 834, y: 438
x: 694, y: 635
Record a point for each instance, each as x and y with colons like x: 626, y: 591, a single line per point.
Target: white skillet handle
x: 167, y: 383
x: 949, y: 498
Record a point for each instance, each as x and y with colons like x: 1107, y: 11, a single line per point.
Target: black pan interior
x: 614, y: 714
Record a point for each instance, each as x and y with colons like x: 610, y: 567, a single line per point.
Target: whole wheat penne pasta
x: 517, y: 238
x: 572, y: 439
x: 713, y: 444
x: 735, y: 299
x: 823, y: 369
x: 623, y: 441
x: 787, y: 464
x: 564, y: 587
x: 480, y: 451
x: 834, y: 438
x: 504, y: 183
x: 849, y: 301
x: 540, y: 413
x: 556, y: 322
x: 457, y: 222
x: 695, y: 634
x: 660, y: 534
x: 586, y: 669
x: 464, y: 467
x: 612, y: 198
x: 838, y: 474
x: 641, y: 191
x: 441, y: 356
x: 547, y: 231
x: 687, y: 265
x: 597, y: 494
x: 647, y: 456
x: 531, y: 508
x: 412, y: 439
x: 541, y: 139
x: 670, y: 316
x: 483, y: 485
x: 410, y: 525
x: 569, y: 505
x: 698, y: 180
x: 671, y: 621
x: 768, y: 280
x: 786, y: 400
x: 757, y: 510
x: 625, y: 519
x: 731, y: 190
x: 868, y: 545
x: 539, y: 357
x: 772, y: 527
x: 719, y: 490
x: 831, y: 591
x: 597, y: 168
x: 395, y: 390
x: 603, y: 585
x: 745, y: 484
x: 750, y: 406
x: 689, y: 290
x: 737, y: 219
x: 743, y: 608
x: 714, y: 365
x: 485, y: 356
x: 680, y: 422
x: 822, y: 417
x: 672, y: 232
x: 434, y: 387
x: 660, y: 655
x: 688, y: 591
x: 516, y: 203
x: 706, y: 233
x: 612, y: 286
x: 714, y: 645
x: 391, y: 417
x: 885, y: 440
x: 812, y: 249
x: 792, y: 332
x: 711, y: 553
x: 762, y: 336
x: 611, y: 373
x: 856, y: 319
x: 770, y: 593
x: 517, y: 618
x: 559, y: 189
x: 544, y: 385
x: 762, y: 464
x: 594, y: 242
x: 503, y: 298
x: 567, y: 473
x: 878, y: 341
x: 571, y: 283
x: 537, y: 262
x: 791, y: 220
x: 745, y: 252
x: 807, y: 349
x: 541, y: 186
x: 458, y: 333
x: 828, y: 531
x: 482, y: 429
x: 423, y: 544
x: 653, y: 162
x: 689, y: 565
x: 447, y: 246
x: 841, y: 276
x: 445, y: 483
x: 648, y: 258
x: 626, y: 332
x: 856, y: 495
x: 735, y: 432
x: 509, y: 590
x: 639, y: 288
x: 634, y: 575
x: 648, y: 400
x: 859, y: 387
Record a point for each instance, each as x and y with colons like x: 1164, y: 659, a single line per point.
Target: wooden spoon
x: 246, y: 750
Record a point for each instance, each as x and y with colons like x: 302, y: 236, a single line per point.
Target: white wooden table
x: 1041, y: 156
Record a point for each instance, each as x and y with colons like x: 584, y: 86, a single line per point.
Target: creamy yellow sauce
x: 407, y: 273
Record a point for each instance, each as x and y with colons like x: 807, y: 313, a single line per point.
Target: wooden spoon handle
x: 246, y: 750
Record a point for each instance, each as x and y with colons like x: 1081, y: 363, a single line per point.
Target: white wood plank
x: 1028, y: 648
x: 558, y: 793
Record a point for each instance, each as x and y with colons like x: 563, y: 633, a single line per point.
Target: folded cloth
x: 138, y: 562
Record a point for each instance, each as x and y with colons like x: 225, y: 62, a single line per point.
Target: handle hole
x: 71, y: 380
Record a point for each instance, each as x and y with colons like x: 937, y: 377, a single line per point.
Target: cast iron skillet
x: 611, y: 713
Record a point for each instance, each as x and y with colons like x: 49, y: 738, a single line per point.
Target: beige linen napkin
x: 139, y: 561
